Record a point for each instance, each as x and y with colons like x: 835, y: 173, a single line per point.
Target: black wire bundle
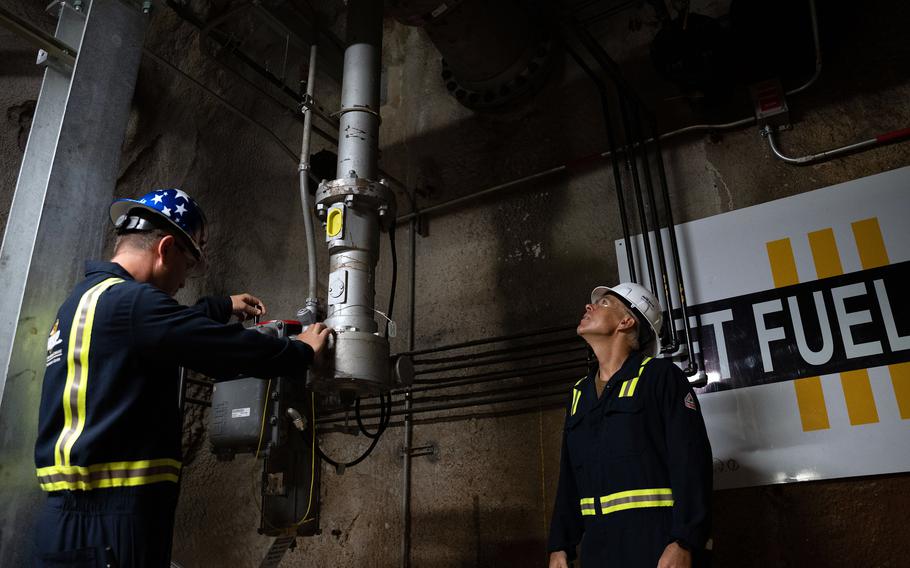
x: 385, y: 416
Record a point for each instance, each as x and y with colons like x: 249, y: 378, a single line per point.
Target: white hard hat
x: 644, y: 305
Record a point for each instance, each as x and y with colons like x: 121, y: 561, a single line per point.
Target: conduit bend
x: 886, y: 138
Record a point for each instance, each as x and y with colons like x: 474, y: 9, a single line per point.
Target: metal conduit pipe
x: 488, y: 375
x: 306, y: 201
x: 565, y: 380
x: 409, y: 393
x: 510, y: 358
x: 503, y: 375
x: 880, y: 140
x: 612, y: 70
x: 611, y: 141
x: 568, y: 166
x: 818, y: 52
x: 205, y: 30
x: 514, y: 410
x: 38, y: 37
x: 665, y: 275
x: 694, y: 128
x: 632, y: 165
x: 408, y: 401
x: 488, y: 340
x: 692, y: 366
x: 673, y: 343
x: 509, y: 351
x: 456, y: 405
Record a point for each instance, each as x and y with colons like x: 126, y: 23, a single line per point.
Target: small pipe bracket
x: 306, y: 103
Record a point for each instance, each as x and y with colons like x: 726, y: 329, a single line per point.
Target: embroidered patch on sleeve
x: 690, y: 401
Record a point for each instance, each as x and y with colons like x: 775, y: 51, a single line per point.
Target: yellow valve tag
x: 334, y: 222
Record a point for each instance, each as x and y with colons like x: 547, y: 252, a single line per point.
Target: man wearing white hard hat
x: 635, y: 475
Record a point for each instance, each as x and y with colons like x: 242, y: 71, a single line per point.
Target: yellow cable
x: 265, y: 406
x: 312, y: 460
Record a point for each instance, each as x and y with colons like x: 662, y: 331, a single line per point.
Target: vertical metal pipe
x: 355, y: 206
x: 358, y: 129
x: 181, y: 392
x: 692, y: 367
x: 658, y: 238
x: 304, y: 173
x: 611, y: 140
x: 408, y: 404
x: 632, y: 164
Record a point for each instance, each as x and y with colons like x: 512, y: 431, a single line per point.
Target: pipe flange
x: 508, y: 86
x: 358, y: 193
x: 356, y: 108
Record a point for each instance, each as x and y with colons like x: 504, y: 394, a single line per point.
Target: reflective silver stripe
x: 587, y: 506
x: 94, y: 477
x: 111, y: 474
x: 73, y: 422
x: 635, y: 499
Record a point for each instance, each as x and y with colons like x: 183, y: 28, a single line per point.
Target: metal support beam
x: 51, y: 45
x: 56, y: 220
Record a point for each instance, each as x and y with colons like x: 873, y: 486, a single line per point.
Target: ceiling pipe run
x: 493, y: 53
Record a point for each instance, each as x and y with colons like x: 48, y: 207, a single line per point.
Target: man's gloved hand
x: 246, y: 306
x: 316, y: 336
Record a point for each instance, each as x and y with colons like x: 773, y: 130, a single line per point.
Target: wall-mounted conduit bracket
x: 430, y: 450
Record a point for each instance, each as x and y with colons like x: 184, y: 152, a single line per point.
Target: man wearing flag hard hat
x: 635, y: 474
x: 108, y: 452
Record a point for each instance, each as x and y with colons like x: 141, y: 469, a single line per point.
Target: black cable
x: 394, y: 278
x: 385, y: 418
x: 384, y: 411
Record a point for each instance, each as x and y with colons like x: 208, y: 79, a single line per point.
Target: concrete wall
x: 525, y: 259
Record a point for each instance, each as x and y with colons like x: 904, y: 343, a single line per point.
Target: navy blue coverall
x: 108, y: 452
x: 636, y: 468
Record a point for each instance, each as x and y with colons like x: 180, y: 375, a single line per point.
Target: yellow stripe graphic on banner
x: 824, y: 252
x: 809, y: 395
x: 870, y: 243
x: 858, y: 393
x: 783, y: 265
x: 857, y: 388
x: 872, y: 254
x: 900, y: 379
x: 811, y: 401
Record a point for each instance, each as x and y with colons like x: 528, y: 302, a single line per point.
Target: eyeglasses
x: 193, y: 265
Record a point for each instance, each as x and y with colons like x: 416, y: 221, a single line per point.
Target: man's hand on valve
x: 316, y: 336
x: 246, y: 306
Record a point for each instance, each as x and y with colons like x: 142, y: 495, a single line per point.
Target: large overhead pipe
x: 492, y: 52
x: 354, y: 207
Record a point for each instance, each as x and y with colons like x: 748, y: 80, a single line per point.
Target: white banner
x: 801, y: 314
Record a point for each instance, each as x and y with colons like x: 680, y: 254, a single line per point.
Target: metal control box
x: 237, y: 423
